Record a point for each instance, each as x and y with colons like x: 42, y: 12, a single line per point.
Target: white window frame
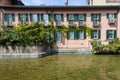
x: 71, y: 35
x: 71, y: 17
x: 95, y: 34
x: 111, y: 33
x: 81, y: 17
x: 81, y: 34
x: 59, y: 36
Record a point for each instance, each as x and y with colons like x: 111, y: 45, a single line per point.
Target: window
x: 95, y: 17
x: 58, y: 17
x: 70, y: 35
x: 58, y: 23
x: 71, y: 23
x: 71, y: 17
x: 81, y: 34
x: 81, y: 17
x: 95, y: 34
x: 111, y: 15
x: 58, y: 36
x: 9, y: 18
x: 35, y: 17
x: 46, y: 19
x: 23, y: 18
x: 111, y: 34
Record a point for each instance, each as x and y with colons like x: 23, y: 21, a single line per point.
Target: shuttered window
x: 95, y: 34
x: 58, y: 36
x: 111, y: 34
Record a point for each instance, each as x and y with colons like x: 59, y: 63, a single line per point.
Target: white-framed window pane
x: 95, y: 34
x: 71, y: 34
x: 34, y: 18
x: 58, y: 17
x: 58, y: 36
x: 10, y: 16
x: 111, y: 34
x: 71, y: 17
x: 81, y: 17
x: 45, y: 19
x: 81, y: 34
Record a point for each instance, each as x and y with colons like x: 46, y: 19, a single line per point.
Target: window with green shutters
x: 58, y: 36
x: 23, y: 17
x: 70, y: 35
x: 96, y: 17
x: 81, y: 17
x: 81, y: 34
x: 111, y: 34
x: 111, y: 15
x: 58, y: 18
x: 35, y: 17
x: 70, y: 17
x: 9, y: 18
x: 95, y: 34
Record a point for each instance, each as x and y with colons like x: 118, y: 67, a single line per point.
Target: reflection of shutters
x: 99, y: 34
x: 115, y: 33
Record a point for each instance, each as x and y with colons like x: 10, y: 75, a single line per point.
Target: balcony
x: 112, y: 21
x: 71, y: 23
x: 81, y: 23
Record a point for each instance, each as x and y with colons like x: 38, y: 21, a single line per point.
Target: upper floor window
x: 70, y: 17
x: 111, y: 15
x: 95, y: 17
x: 23, y: 17
x: 81, y: 17
x: 35, y: 17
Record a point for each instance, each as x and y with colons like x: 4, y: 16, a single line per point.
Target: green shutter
x: 92, y: 17
x: 76, y: 17
x: 107, y: 34
x: 13, y: 16
x: 84, y: 34
x: 5, y: 16
x: 19, y: 17
x: 115, y: 15
x: 26, y: 17
x: 107, y: 15
x: 31, y: 17
x: 99, y: 43
x: 41, y: 17
x: 110, y: 42
x: 54, y: 17
x: 55, y: 36
x: 38, y: 17
x: 100, y: 17
x: 99, y: 34
x: 115, y: 33
x: 50, y: 17
x: 62, y: 17
x: 68, y: 35
x: 67, y: 17
x: 75, y: 34
x: 85, y: 17
x: 91, y: 34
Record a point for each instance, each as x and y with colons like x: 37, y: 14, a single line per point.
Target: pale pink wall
x: 76, y: 44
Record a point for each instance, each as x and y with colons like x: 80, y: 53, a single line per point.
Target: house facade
x: 104, y: 20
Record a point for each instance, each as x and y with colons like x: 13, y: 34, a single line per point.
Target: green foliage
x: 112, y: 48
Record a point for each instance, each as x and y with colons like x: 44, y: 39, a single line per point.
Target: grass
x: 62, y: 67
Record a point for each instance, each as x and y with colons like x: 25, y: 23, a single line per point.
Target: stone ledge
x: 23, y: 55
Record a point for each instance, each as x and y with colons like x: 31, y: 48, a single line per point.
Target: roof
x: 59, y: 7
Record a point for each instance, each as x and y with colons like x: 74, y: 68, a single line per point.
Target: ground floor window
x: 111, y: 34
x: 95, y: 34
x: 81, y: 34
x: 70, y: 35
x: 58, y: 36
